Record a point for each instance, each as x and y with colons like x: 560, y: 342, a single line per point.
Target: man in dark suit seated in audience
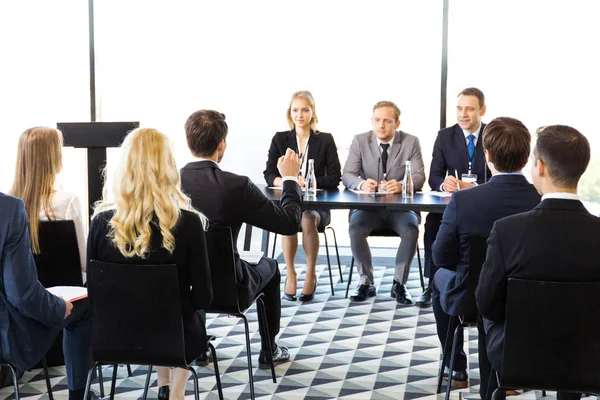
x: 230, y: 200
x: 556, y: 241
x: 457, y: 151
x: 472, y: 213
x: 30, y: 316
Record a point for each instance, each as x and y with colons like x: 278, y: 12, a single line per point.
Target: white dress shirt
x: 561, y: 195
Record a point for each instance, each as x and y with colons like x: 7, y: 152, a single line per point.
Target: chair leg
x: 274, y: 244
x: 349, y: 276
x: 13, y: 372
x: 100, y: 380
x: 328, y: 263
x: 420, y: 268
x: 543, y: 393
x: 249, y: 356
x: 88, y: 383
x: 147, y: 385
x: 195, y: 379
x: 113, y: 383
x: 457, y: 332
x: 337, y: 253
x: 217, y: 374
x: 47, y: 377
x: 262, y: 314
x: 445, y: 353
x: 129, y: 373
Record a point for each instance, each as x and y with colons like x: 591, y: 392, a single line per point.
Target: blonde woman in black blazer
x: 309, y: 143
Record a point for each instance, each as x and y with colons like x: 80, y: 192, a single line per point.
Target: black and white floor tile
x: 340, y: 350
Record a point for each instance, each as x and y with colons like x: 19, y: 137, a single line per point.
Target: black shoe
x: 363, y: 291
x: 424, y: 300
x: 460, y: 379
x: 280, y: 355
x: 401, y: 294
x: 78, y: 395
x: 163, y: 392
x: 288, y: 297
x: 308, y: 297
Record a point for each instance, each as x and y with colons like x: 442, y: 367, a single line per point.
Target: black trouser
x: 265, y: 278
x: 432, y: 226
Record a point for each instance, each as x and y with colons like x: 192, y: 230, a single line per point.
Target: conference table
x: 341, y: 198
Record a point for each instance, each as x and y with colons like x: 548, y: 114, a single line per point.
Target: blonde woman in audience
x: 39, y: 160
x: 304, y: 138
x: 144, y: 218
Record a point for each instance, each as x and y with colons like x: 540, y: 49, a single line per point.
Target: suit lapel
x: 374, y: 146
x: 291, y: 141
x: 479, y: 157
x: 313, y: 145
x: 397, y: 146
x: 460, y: 143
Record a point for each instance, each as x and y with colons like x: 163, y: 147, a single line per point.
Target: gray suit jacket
x: 30, y: 317
x: 365, y: 155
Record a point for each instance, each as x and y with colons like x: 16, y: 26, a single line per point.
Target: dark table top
x: 342, y: 198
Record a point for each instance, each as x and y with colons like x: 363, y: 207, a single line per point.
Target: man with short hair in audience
x: 556, y: 241
x: 457, y: 151
x: 471, y: 213
x: 377, y: 162
x: 227, y: 199
x: 30, y: 316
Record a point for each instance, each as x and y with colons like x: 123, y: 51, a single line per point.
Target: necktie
x: 384, y: 156
x: 471, y: 146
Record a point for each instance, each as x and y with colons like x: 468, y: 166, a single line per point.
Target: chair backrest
x: 58, y: 263
x: 221, y: 257
x: 552, y: 339
x: 137, y: 314
x: 477, y: 252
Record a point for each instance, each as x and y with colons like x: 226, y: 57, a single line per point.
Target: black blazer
x: 472, y: 212
x: 450, y: 154
x: 556, y: 241
x: 190, y: 256
x: 321, y: 148
x: 230, y: 200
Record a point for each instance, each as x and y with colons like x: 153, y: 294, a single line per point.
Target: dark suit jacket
x: 472, y: 212
x: 30, y: 317
x: 230, y: 200
x: 556, y: 241
x: 321, y: 148
x: 450, y: 154
x: 190, y: 256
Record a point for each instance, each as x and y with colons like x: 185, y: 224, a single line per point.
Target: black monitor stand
x: 95, y: 137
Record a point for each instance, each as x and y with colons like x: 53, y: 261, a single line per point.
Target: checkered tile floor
x: 339, y: 349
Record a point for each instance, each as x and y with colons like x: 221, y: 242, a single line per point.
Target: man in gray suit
x: 377, y: 163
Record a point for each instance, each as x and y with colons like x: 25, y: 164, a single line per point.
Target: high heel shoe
x: 163, y: 392
x: 286, y: 296
x: 308, y: 297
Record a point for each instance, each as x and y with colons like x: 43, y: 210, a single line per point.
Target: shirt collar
x: 508, y: 173
x: 476, y: 133
x: 561, y: 195
x: 380, y: 142
x: 204, y: 159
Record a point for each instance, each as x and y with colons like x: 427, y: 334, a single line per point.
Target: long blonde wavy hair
x: 39, y: 160
x: 145, y: 189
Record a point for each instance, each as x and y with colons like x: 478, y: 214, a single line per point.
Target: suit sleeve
x: 271, y: 172
x: 446, y: 247
x: 491, y: 290
x: 417, y: 166
x: 437, y: 172
x: 198, y: 266
x: 332, y: 165
x: 283, y: 218
x: 19, y: 275
x: 353, y: 167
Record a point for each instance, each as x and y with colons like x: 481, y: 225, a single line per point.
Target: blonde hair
x: 385, y: 103
x: 306, y: 95
x: 39, y: 160
x: 144, y: 190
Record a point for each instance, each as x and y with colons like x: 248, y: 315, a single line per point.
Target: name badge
x: 469, y: 178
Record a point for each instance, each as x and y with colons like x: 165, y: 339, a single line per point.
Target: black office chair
x: 219, y: 242
x: 137, y: 319
x: 550, y: 344
x: 15, y: 376
x: 477, y: 252
x: 337, y: 253
x: 386, y: 233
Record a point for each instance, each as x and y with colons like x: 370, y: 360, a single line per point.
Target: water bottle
x: 310, y: 185
x: 407, y: 183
